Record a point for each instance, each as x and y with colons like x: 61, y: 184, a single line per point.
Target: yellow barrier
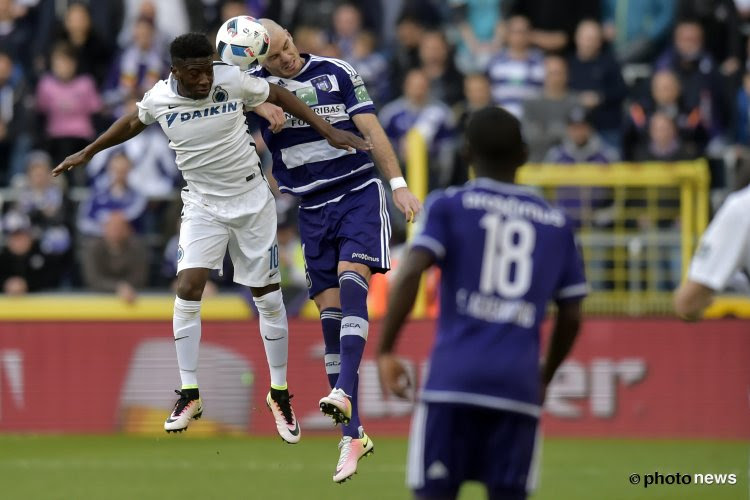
x: 84, y: 307
x: 417, y: 170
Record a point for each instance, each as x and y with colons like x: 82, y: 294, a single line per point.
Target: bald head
x: 271, y: 26
x: 282, y: 58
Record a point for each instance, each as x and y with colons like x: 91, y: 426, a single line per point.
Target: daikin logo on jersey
x: 201, y: 113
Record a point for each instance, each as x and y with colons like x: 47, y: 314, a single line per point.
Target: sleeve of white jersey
x: 254, y: 90
x: 145, y: 108
x: 723, y: 245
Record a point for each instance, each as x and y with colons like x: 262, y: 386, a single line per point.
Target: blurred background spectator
x: 93, y: 53
x: 517, y: 71
x: 436, y: 61
x: 116, y: 195
x: 434, y: 120
x: 68, y: 104
x: 637, y: 29
x: 479, y: 32
x: 595, y: 76
x: 117, y: 261
x: 545, y: 117
x: 24, y: 266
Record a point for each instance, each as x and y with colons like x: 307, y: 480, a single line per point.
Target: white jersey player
x: 723, y: 256
x: 227, y: 203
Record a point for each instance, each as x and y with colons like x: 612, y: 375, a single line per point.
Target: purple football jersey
x: 504, y: 253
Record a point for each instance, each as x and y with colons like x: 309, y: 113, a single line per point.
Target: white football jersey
x: 724, y: 249
x: 215, y: 151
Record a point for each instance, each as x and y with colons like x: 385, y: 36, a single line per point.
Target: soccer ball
x: 241, y: 41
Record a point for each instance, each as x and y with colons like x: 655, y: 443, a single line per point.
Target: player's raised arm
x: 387, y: 163
x: 290, y: 103
x: 120, y: 131
x: 400, y: 301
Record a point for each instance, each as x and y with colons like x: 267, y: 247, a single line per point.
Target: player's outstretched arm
x: 393, y: 377
x: 387, y: 163
x: 567, y: 324
x: 123, y: 129
x: 289, y: 102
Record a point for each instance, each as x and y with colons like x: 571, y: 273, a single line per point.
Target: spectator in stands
x: 93, y: 53
x: 234, y: 8
x: 477, y: 95
x: 665, y: 98
x: 118, y: 196
x: 664, y: 141
x: 721, y: 19
x: 169, y: 16
x: 43, y: 200
x: 436, y: 61
x: 545, y: 117
x: 138, y: 67
x: 595, y: 75
x: 637, y: 29
x: 405, y: 54
x: 15, y: 36
x: 347, y: 25
x: 14, y: 138
x: 371, y: 66
x: 696, y: 70
x: 118, y: 261
x: 69, y: 103
x: 517, y: 71
x: 432, y: 118
x: 554, y: 21
x: 24, y: 267
x: 581, y: 144
x: 313, y: 40
x: 478, y: 23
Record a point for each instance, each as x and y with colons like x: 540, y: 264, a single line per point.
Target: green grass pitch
x: 185, y: 467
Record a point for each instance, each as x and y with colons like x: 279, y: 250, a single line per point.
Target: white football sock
x: 275, y: 333
x: 186, y: 324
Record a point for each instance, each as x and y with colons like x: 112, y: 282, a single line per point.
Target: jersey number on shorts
x: 507, y: 264
x: 274, y: 256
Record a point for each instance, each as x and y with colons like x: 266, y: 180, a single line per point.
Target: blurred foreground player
x: 722, y: 258
x: 503, y: 254
x: 227, y: 203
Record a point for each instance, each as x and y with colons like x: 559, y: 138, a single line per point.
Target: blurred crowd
x: 592, y: 81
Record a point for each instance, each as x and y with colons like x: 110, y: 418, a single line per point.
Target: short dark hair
x: 493, y: 136
x: 190, y: 46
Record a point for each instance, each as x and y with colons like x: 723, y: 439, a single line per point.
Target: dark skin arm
x: 567, y: 325
x: 123, y: 129
x: 290, y: 103
x: 393, y: 375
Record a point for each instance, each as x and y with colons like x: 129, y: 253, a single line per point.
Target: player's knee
x: 270, y: 304
x: 190, y: 286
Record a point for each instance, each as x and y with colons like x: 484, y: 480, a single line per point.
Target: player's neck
x: 491, y: 173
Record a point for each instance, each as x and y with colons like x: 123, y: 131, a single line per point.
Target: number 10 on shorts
x: 274, y: 256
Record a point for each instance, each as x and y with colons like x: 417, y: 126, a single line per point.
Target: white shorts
x: 244, y: 224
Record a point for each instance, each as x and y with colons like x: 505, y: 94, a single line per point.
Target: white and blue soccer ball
x: 242, y: 41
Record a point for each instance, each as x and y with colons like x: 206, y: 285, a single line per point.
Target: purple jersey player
x: 504, y: 253
x: 343, y: 218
